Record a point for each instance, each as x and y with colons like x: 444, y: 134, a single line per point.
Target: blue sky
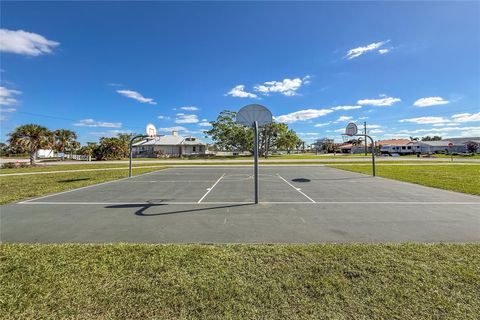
x: 407, y: 69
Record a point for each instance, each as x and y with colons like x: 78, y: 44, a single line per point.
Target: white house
x: 400, y: 146
x: 169, y: 146
x: 46, y: 153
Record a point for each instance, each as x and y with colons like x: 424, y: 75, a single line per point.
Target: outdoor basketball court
x: 215, y: 204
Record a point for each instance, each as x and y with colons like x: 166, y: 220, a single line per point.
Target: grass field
x: 17, y: 188
x: 460, y: 178
x: 409, y: 281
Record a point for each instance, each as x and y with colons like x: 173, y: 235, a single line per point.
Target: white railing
x: 79, y: 157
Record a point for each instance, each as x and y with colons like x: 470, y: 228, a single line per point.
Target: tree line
x: 30, y: 138
x: 226, y: 134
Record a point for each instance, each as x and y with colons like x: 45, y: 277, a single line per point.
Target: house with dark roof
x: 169, y: 146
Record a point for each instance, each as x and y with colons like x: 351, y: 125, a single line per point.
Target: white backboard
x: 351, y: 129
x: 254, y: 112
x: 150, y: 130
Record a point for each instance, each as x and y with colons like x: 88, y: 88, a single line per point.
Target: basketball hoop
x: 151, y: 131
x: 351, y: 129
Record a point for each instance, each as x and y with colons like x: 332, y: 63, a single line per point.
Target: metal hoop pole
x: 255, y: 151
x: 373, y: 153
x: 131, y: 153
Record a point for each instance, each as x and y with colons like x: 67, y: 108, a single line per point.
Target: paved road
x: 214, y: 204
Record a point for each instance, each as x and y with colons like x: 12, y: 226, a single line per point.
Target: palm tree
x: 65, y: 140
x: 31, y: 137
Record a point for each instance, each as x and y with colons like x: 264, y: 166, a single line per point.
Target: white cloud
x: 287, y: 87
x: 186, y: 118
x: 161, y: 117
x: 375, y: 131
x: 437, y: 121
x: 109, y: 133
x: 362, y: 118
x: 373, y: 126
x: 308, y: 134
x: 443, y: 124
x: 303, y: 115
x: 190, y: 108
x: 381, y: 102
x: 5, y: 110
x: 93, y: 123
x: 343, y: 119
x: 425, y: 120
x: 7, y: 96
x: 346, y: 107
x: 430, y: 101
x: 318, y: 125
x: 440, y: 130
x: 383, y: 51
x: 357, y: 52
x: 170, y: 129
x: 239, y: 92
x: 466, y: 117
x: 26, y: 43
x: 205, y: 124
x: 136, y: 96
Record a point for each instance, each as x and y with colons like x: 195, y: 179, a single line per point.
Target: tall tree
x: 288, y: 140
x: 434, y: 138
x: 124, y: 139
x: 31, y: 137
x: 65, y: 140
x: 228, y: 135
x: 269, y: 135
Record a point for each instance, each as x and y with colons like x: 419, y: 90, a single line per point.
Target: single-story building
x: 400, y: 146
x: 169, y: 146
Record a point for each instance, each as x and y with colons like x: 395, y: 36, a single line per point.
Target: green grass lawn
x: 327, y: 281
x: 460, y: 178
x: 80, y: 166
x: 16, y: 188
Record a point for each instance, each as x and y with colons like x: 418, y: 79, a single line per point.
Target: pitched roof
x: 393, y: 142
x: 441, y: 143
x: 168, y: 141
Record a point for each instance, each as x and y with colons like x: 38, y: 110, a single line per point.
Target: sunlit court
x: 216, y: 204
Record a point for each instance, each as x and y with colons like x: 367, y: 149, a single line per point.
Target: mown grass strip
x: 460, y: 178
x: 327, y: 281
x: 16, y: 188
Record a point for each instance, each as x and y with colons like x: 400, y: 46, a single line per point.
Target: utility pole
x: 365, y: 133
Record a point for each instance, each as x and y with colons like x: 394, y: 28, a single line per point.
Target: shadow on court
x: 328, y: 179
x: 142, y: 208
x: 73, y: 180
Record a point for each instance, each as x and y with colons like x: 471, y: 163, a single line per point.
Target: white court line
x: 298, y: 189
x: 251, y: 202
x: 74, y: 170
x: 211, y: 188
x: 173, y: 181
x: 86, y: 187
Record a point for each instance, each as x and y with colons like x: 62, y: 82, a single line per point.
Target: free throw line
x: 298, y: 189
x: 211, y: 188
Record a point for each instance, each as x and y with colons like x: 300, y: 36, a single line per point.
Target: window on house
x: 409, y: 147
x: 194, y: 149
x: 403, y: 148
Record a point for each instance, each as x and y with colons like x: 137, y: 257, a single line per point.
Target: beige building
x: 169, y: 146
